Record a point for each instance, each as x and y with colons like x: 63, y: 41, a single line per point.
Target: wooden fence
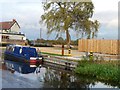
x: 99, y: 46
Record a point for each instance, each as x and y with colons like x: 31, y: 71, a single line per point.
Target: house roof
x: 8, y: 24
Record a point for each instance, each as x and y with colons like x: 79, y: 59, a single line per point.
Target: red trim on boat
x: 33, y: 61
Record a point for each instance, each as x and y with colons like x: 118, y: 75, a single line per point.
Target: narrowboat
x: 23, y: 59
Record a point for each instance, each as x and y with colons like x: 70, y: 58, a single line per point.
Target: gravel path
x: 74, y: 53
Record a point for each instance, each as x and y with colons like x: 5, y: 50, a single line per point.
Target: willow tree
x: 62, y: 17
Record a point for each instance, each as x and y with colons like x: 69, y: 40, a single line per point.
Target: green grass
x: 53, y: 54
x: 100, y: 71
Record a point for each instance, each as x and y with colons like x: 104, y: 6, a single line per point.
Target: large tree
x: 62, y: 17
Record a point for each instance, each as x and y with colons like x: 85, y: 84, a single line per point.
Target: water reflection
x: 58, y: 79
x: 50, y: 78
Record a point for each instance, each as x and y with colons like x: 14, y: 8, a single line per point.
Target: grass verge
x: 99, y: 70
x: 53, y: 54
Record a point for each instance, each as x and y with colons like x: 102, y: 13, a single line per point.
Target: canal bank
x: 55, y: 51
x: 100, y: 70
x: 55, y: 78
x: 50, y: 78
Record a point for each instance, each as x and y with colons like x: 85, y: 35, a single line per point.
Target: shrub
x: 104, y: 71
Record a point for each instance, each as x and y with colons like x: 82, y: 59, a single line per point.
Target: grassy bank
x: 102, y: 71
x: 53, y: 54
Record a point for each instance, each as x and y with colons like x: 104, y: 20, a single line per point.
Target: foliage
x: 59, y: 41
x: 28, y: 41
x: 52, y: 54
x: 62, y: 17
x: 105, y: 71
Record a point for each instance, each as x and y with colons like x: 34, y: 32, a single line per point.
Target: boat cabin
x: 23, y: 59
x: 22, y: 50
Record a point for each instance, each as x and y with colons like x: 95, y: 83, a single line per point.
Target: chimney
x: 14, y: 20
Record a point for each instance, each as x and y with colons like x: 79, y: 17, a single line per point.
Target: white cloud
x: 25, y: 13
x: 105, y: 5
x: 106, y: 12
x: 20, y: 1
x: 113, y: 23
x: 108, y: 19
x: 28, y: 12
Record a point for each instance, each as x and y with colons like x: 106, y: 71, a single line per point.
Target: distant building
x: 10, y: 33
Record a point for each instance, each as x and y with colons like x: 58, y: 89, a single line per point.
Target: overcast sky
x: 28, y: 12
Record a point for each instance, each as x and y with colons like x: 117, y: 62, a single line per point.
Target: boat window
x: 24, y: 51
x: 32, y: 52
x: 10, y: 49
x: 16, y: 50
x: 21, y: 50
x: 13, y: 49
x: 7, y: 48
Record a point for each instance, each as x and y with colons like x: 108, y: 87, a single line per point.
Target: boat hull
x: 20, y: 64
x: 14, y: 57
x: 23, y: 68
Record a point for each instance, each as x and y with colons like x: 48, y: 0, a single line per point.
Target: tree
x: 60, y: 39
x: 28, y: 41
x: 62, y: 17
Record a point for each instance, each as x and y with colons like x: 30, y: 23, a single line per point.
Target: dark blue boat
x: 23, y: 59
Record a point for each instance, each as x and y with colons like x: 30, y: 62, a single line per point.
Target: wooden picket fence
x: 99, y: 46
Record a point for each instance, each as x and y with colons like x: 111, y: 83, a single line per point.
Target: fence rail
x: 99, y: 46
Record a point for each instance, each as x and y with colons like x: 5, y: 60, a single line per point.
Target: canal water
x: 49, y: 78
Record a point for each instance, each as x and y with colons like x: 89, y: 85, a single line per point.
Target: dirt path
x: 74, y: 53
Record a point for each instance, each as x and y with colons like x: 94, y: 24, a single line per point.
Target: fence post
x: 62, y: 50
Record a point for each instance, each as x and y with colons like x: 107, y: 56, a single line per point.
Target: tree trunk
x: 68, y: 38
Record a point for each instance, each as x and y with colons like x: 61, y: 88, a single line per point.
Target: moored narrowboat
x: 26, y: 56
